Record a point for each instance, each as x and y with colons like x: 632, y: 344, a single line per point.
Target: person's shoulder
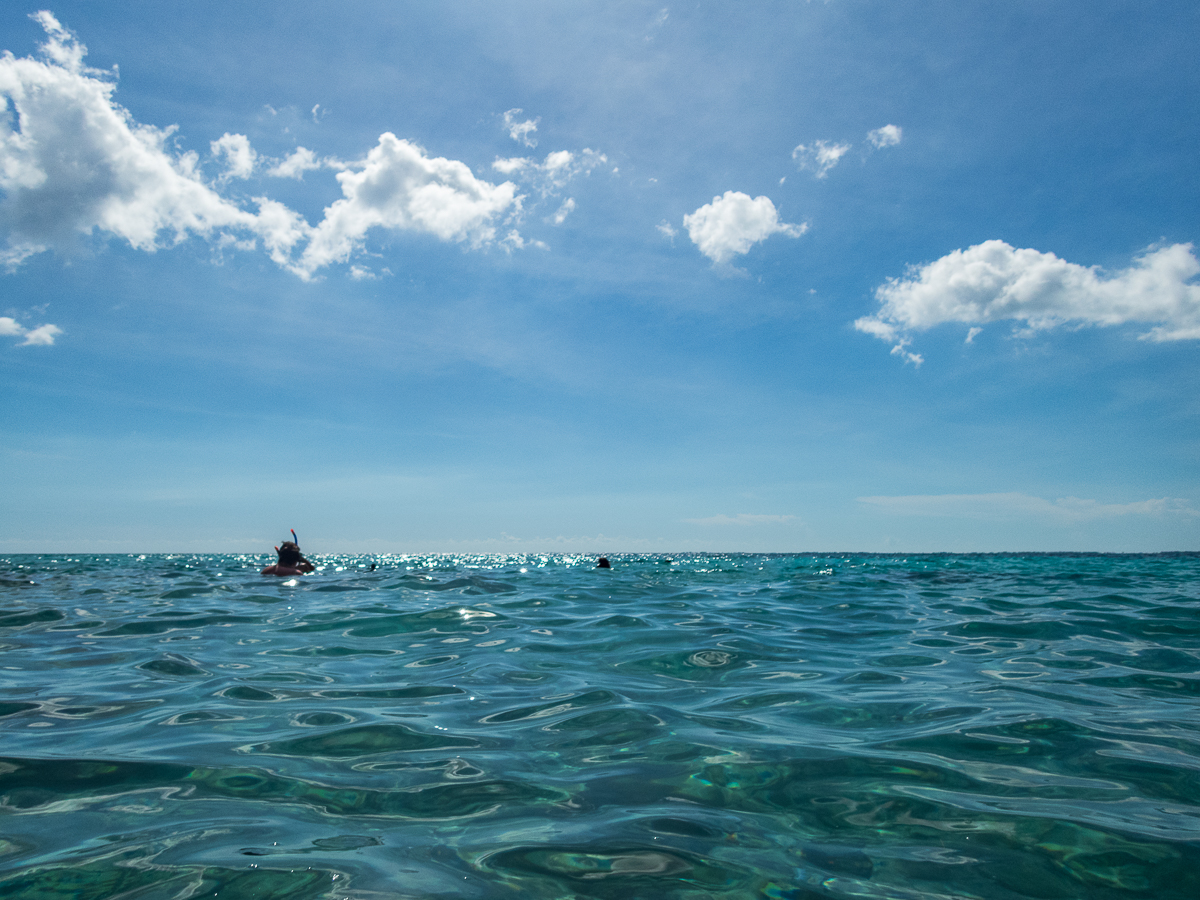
x: 281, y: 570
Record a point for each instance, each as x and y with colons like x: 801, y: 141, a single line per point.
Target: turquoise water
x: 528, y: 726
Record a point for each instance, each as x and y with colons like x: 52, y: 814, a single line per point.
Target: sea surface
x: 696, y: 726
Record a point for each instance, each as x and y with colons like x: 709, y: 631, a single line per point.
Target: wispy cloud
x: 1015, y: 505
x: 820, y: 157
x: 742, y: 519
x: 994, y: 281
x: 565, y: 210
x: 521, y: 132
x: 659, y: 21
x: 553, y: 173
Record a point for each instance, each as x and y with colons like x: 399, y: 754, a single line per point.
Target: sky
x: 600, y: 277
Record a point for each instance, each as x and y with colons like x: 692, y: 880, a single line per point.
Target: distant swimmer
x: 603, y: 563
x: 291, y: 560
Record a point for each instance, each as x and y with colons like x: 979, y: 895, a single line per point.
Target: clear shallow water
x: 794, y: 727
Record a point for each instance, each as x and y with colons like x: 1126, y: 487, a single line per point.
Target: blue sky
x: 600, y: 277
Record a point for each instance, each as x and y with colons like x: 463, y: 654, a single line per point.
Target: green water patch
x: 607, y: 728
x: 442, y: 621
x: 364, y: 740
x: 708, y: 664
x: 552, y: 708
x: 195, y: 716
x: 43, y: 784
x: 1167, y: 685
x: 187, y: 593
x: 32, y: 617
x: 249, y: 693
x: 682, y: 827
x: 322, y: 719
x: 11, y: 709
x: 622, y: 622
x: 471, y: 585
x: 264, y: 598
x: 333, y: 652
x: 870, y: 676
x: 614, y: 872
x: 170, y: 622
x: 411, y: 692
x: 132, y: 874
x: 339, y: 844
x: 175, y: 667
x: 885, y: 806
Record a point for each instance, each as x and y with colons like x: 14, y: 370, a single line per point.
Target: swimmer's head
x: 289, y: 553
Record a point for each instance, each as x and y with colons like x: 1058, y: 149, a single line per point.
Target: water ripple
x: 729, y: 726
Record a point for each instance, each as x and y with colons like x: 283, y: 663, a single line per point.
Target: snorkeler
x: 291, y: 560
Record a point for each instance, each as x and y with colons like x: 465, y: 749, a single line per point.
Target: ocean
x: 695, y: 726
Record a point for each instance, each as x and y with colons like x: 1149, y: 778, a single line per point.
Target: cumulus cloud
x: 41, y: 335
x: 733, y: 223
x: 887, y: 136
x: 1006, y: 505
x: 239, y: 156
x: 521, y: 132
x: 301, y: 160
x: 993, y: 281
x: 820, y: 156
x: 74, y: 163
x: 399, y: 187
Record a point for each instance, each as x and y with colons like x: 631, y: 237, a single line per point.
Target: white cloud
x: 820, y: 156
x: 565, y: 210
x: 73, y: 162
x: 993, y: 282
x: 666, y: 230
x: 513, y: 166
x: 399, y: 187
x: 742, y: 519
x: 887, y: 136
x: 733, y: 223
x: 521, y: 132
x: 42, y: 335
x: 300, y: 161
x: 552, y: 174
x: 239, y: 155
x: 659, y: 21
x: 1007, y: 505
